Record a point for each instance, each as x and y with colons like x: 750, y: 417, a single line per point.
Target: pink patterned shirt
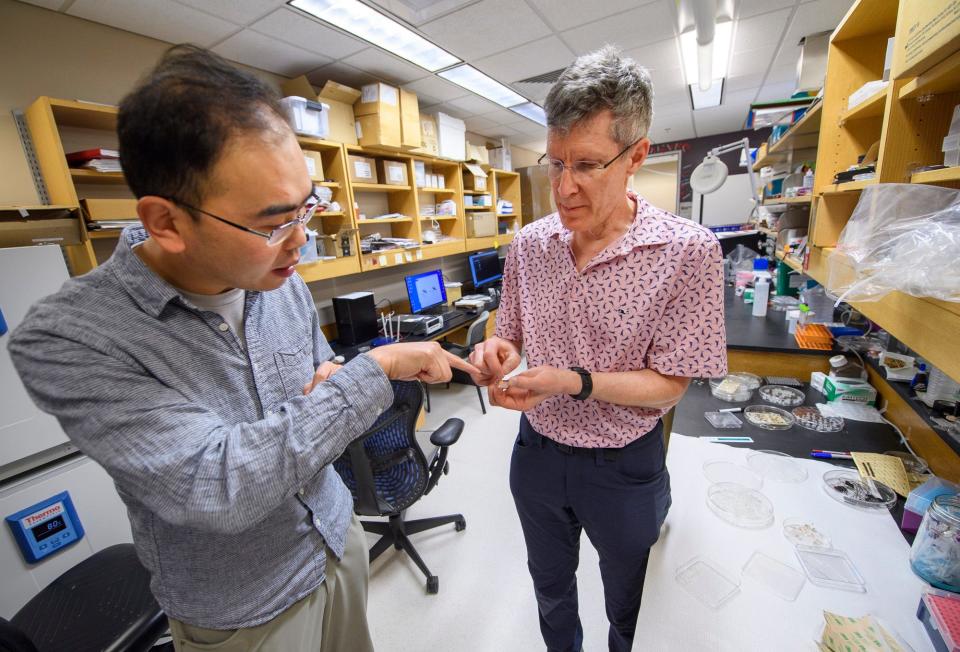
x: 653, y: 299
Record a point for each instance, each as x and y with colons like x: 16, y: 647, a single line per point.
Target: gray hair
x: 598, y: 81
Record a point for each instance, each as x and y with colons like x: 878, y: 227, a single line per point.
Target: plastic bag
x: 901, y: 237
x: 738, y: 260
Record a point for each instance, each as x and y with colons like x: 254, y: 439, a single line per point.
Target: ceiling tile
x: 437, y: 88
x: 254, y: 49
x: 527, y: 60
x: 667, y: 81
x: 718, y: 120
x: 160, y: 19
x: 663, y: 55
x: 418, y: 12
x: 565, y: 14
x: 476, y: 123
x: 342, y: 73
x: 774, y: 92
x: 751, y: 62
x: 671, y: 96
x: 670, y: 113
x: 485, y: 28
x: 53, y: 5
x: 445, y: 108
x: 683, y: 132
x: 502, y: 116
x: 538, y: 145
x: 742, y: 98
x: 302, y: 31
x: 530, y: 128
x: 241, y: 12
x: 500, y: 131
x: 750, y: 8
x: 623, y: 30
x: 743, y: 82
x: 474, y: 104
x: 782, y: 74
x: 385, y: 66
x: 760, y: 31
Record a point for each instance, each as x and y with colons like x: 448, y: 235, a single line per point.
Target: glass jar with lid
x: 935, y: 555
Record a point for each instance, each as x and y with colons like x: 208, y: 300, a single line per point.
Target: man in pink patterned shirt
x: 617, y: 305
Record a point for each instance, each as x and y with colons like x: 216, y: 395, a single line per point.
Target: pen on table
x: 831, y: 456
x: 729, y: 409
x: 821, y: 450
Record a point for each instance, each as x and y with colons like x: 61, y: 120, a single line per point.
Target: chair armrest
x: 448, y: 433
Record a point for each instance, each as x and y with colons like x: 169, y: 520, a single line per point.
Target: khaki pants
x: 331, y: 619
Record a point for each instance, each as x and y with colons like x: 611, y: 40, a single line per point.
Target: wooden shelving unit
x: 452, y: 228
x: 799, y: 141
x: 945, y: 175
x: 805, y: 199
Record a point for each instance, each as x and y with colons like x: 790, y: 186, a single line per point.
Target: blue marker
x: 831, y: 456
x: 730, y: 440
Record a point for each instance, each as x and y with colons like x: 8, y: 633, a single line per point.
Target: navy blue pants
x: 619, y: 496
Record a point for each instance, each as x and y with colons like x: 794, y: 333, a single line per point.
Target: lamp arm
x: 744, y: 144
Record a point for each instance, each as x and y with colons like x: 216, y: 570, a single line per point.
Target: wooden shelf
x: 439, y: 218
x: 478, y: 208
x: 317, y: 143
x: 474, y: 244
x: 327, y: 184
x: 802, y: 135
x: 439, y: 191
x: 501, y: 215
x: 942, y: 78
x: 504, y: 173
x: 379, y: 187
x: 385, y: 220
x: 324, y: 269
x: 849, y: 186
x: 87, y: 115
x: 937, y: 176
x: 804, y: 199
x: 83, y: 175
x: 865, y: 18
x: 872, y: 107
x: 329, y: 214
x: 476, y: 192
x: 445, y: 248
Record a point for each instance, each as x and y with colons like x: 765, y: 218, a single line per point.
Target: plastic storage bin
x: 920, y: 498
x: 306, y: 117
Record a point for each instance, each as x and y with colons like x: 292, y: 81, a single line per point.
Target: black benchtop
x: 769, y: 333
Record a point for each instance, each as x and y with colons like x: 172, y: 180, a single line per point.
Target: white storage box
x: 307, y: 118
x: 452, y: 136
x: 500, y: 158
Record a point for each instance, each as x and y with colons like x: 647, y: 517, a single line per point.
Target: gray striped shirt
x: 223, y: 464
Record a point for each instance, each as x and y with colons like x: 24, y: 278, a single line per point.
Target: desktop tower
x: 356, y: 317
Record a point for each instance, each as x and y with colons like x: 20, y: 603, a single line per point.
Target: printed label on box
x: 398, y: 259
x: 409, y: 258
x: 311, y: 165
x: 395, y: 173
x: 419, y: 255
x: 389, y: 95
x: 383, y: 260
x: 362, y: 170
x: 359, y: 129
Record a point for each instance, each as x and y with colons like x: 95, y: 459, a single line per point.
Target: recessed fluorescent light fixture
x: 475, y: 81
x: 708, y: 98
x: 531, y: 111
x: 718, y: 52
x: 370, y: 25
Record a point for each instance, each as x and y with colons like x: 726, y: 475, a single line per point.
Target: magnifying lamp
x: 712, y: 172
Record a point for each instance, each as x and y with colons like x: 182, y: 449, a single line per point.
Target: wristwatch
x: 587, y: 381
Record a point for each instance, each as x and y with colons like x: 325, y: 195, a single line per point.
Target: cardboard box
x: 339, y: 97
x: 392, y: 173
x: 474, y: 178
x: 109, y: 209
x: 481, y: 224
x: 428, y: 135
x: 314, y: 165
x: 39, y: 227
x: 928, y: 31
x: 377, y: 98
x: 477, y: 153
x: 409, y: 120
x: 362, y: 169
x: 379, y: 130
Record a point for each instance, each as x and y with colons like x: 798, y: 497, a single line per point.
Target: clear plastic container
x: 732, y: 389
x: 830, y: 568
x: 702, y: 579
x: 809, y: 417
x: 935, y: 555
x: 782, y: 395
x: 783, y: 303
x: 846, y: 486
x: 723, y: 471
x: 776, y: 466
x: 774, y: 576
x: 723, y: 420
x: 801, y: 532
x: 752, y: 381
x: 737, y: 505
x: 768, y: 417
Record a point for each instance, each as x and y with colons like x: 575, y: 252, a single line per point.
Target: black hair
x: 176, y: 123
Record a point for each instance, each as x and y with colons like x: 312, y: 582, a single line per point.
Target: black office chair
x: 102, y: 603
x: 386, y: 471
x: 475, y: 334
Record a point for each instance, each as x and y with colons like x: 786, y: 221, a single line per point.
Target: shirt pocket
x: 295, y: 367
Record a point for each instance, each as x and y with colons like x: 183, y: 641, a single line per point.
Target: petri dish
x: 830, y: 568
x: 801, y: 532
x: 752, y: 381
x: 784, y: 380
x: 782, y: 395
x: 778, y: 578
x: 723, y: 471
x: 702, y: 579
x: 768, y: 417
x: 846, y: 486
x: 740, y: 506
x: 776, y: 466
x: 732, y: 389
x: 783, y: 303
x: 723, y: 420
x: 912, y: 464
x: 809, y: 417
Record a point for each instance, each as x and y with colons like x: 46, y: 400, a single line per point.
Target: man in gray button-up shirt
x: 217, y: 427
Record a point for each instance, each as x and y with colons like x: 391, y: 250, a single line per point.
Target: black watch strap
x: 587, y: 381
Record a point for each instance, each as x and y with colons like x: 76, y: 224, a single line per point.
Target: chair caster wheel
x: 433, y: 584
x: 461, y: 525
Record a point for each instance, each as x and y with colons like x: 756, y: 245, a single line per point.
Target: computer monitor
x: 485, y: 268
x: 426, y: 291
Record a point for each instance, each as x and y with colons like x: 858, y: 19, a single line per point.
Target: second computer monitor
x: 426, y: 291
x: 485, y: 268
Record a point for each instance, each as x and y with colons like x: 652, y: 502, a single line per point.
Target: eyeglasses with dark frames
x: 582, y: 170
